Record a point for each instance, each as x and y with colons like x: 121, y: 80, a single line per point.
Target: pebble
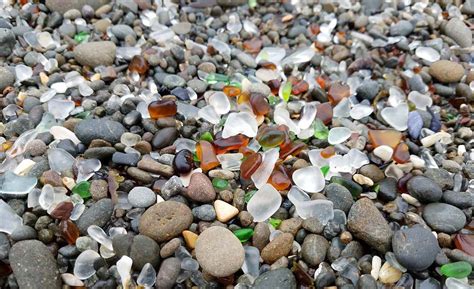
x: 216, y: 259
x: 140, y: 248
x: 205, y: 213
x: 446, y: 71
x: 444, y: 217
x: 340, y: 196
x: 150, y: 165
x: 91, y: 129
x: 6, y: 77
x: 125, y: 159
x: 459, y: 32
x: 401, y: 28
x: 95, y: 54
x: 441, y: 177
x: 365, y: 222
x: 224, y: 211
x: 164, y: 137
x: 98, y: 214
x: 261, y: 235
x: 424, y: 189
x: 7, y: 42
x: 170, y: 247
x: 165, y: 220
x: 141, y: 197
x: 277, y: 248
x: 168, y: 273
x: 281, y: 278
x: 313, y: 249
x: 388, y: 190
x: 200, y: 188
x: 62, y: 6
x: 415, y: 248
x: 33, y: 265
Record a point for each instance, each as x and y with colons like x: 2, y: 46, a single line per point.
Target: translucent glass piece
x: 428, y: 54
x: 60, y: 108
x: 307, y: 116
x: 23, y: 73
x: 421, y: 101
x: 319, y: 209
x: 360, y: 111
x: 300, y: 56
x: 240, y: 123
x: 264, y: 203
x: 230, y: 161
x: 338, y: 135
x: 9, y: 220
x: 233, y: 25
x: 147, y: 276
x: 209, y: 114
x: 251, y: 261
x: 96, y: 233
x: 309, y: 179
x: 271, y: 54
x: 396, y: 117
x: 12, y: 184
x: 220, y: 102
x: 84, y: 265
x: 46, y: 199
x: 124, y: 265
x: 263, y: 172
x: 60, y: 160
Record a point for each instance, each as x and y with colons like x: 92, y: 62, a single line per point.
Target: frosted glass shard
x: 309, y: 179
x: 22, y: 73
x: 59, y: 87
x: 396, y: 117
x: 77, y: 211
x: 22, y: 142
x: 60, y: 160
x: 282, y: 116
x: 357, y: 158
x: 300, y: 56
x: 84, y: 265
x: 428, y: 54
x: 296, y: 195
x: 340, y: 164
x: 307, y: 116
x: 209, y: 114
x: 233, y: 25
x: 240, y: 123
x: 250, y: 27
x: 96, y: 233
x: 33, y: 198
x: 14, y: 185
x: 319, y: 209
x: 396, y: 96
x: 342, y: 109
x: 316, y: 159
x: 49, y: 94
x: 60, y: 132
x: 45, y: 40
x: 46, y: 199
x: 421, y: 101
x: 271, y: 54
x: 47, y: 122
x: 384, y: 152
x: 124, y: 265
x: 263, y: 172
x: 230, y: 161
x: 338, y: 135
x: 360, y: 111
x: 220, y: 46
x: 220, y: 102
x: 251, y: 261
x: 71, y: 280
x: 264, y: 203
x: 147, y: 276
x: 142, y: 108
x: 85, y: 90
x: 162, y: 36
x: 23, y: 167
x: 187, y: 110
x: 9, y: 220
x: 453, y: 283
x: 60, y: 108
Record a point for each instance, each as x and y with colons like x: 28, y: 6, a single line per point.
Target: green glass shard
x: 244, y: 234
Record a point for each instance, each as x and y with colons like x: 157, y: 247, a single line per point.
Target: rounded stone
x: 6, y: 78
x: 424, y: 189
x: 34, y: 266
x: 340, y: 196
x: 200, y: 188
x: 415, y: 248
x: 165, y: 220
x: 281, y: 278
x: 95, y: 54
x: 219, y: 252
x: 446, y: 71
x: 91, y: 129
x: 444, y: 217
x: 314, y: 249
x: 98, y: 214
x: 165, y: 137
x: 141, y: 197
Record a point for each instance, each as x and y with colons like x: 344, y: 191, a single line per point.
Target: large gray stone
x: 91, y: 129
x: 98, y: 214
x: 95, y: 54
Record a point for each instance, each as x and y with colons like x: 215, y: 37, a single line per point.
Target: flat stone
x: 281, y: 278
x: 165, y: 220
x: 446, y: 71
x: 148, y: 164
x: 459, y: 32
x: 313, y: 249
x: 164, y: 137
x: 62, y: 6
x: 95, y: 54
x: 277, y: 248
x: 444, y: 217
x: 91, y: 129
x: 424, y: 189
x: 200, y: 188
x: 219, y: 252
x: 34, y: 266
x: 415, y: 248
x: 98, y: 214
x: 367, y: 223
x: 340, y: 196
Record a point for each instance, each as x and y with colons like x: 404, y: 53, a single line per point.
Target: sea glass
x: 244, y: 234
x: 385, y: 137
x: 9, y: 220
x: 264, y: 203
x: 401, y: 153
x: 70, y: 232
x: 310, y: 179
x: 147, y: 276
x: 460, y: 269
x: 223, y: 145
x: 12, y: 184
x: 207, y: 156
x: 337, y: 92
x: 84, y: 267
x: 162, y: 108
x: 240, y: 123
x: 263, y: 172
x: 250, y: 165
x: 259, y: 103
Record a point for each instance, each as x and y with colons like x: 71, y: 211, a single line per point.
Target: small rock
x: 444, y: 217
x: 168, y: 273
x: 140, y: 248
x: 441, y: 177
x: 277, y: 248
x: 165, y: 220
x: 141, y: 197
x: 7, y: 42
x: 367, y: 223
x: 205, y: 213
x: 34, y: 266
x: 225, y: 211
x: 90, y: 129
x: 281, y: 278
x: 314, y: 249
x: 424, y: 189
x: 6, y: 77
x: 95, y: 54
x: 164, y: 137
x: 150, y: 165
x: 415, y: 248
x: 261, y: 235
x: 219, y: 252
x: 401, y: 28
x: 98, y: 214
x: 200, y: 188
x: 340, y: 196
x: 459, y: 32
x: 170, y: 247
x: 388, y: 189
x: 446, y: 71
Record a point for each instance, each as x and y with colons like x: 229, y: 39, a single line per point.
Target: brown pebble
x: 277, y: 248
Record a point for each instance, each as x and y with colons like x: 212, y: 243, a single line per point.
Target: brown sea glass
x: 206, y: 155
x: 250, y: 165
x: 337, y: 92
x: 279, y: 178
x: 324, y: 112
x: 139, y: 65
x: 259, y: 103
x: 387, y: 137
x: 253, y: 45
x: 231, y: 91
x: 402, y: 183
x: 328, y: 152
x: 162, y: 108
x: 274, y: 86
x: 465, y: 243
x: 401, y: 154
x: 292, y: 148
x: 299, y: 87
x: 62, y: 211
x: 271, y: 137
x: 223, y: 145
x: 69, y: 231
x: 243, y: 97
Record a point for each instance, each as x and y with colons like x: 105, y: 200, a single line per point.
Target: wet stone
x: 98, y: 214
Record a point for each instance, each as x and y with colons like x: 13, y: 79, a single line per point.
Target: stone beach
x: 245, y: 144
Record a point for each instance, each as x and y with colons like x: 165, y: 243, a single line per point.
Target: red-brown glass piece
x: 387, y: 137
x: 223, y: 145
x: 274, y: 86
x: 299, y: 87
x: 69, y: 231
x: 402, y: 183
x: 279, y: 178
x: 162, y: 108
x: 401, y: 154
x: 62, y: 211
x: 253, y: 45
x: 231, y: 91
x: 259, y: 103
x: 324, y: 112
x: 337, y: 92
x: 465, y: 242
x: 250, y: 165
x: 139, y: 65
x: 293, y: 148
x: 206, y: 155
x: 271, y: 137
